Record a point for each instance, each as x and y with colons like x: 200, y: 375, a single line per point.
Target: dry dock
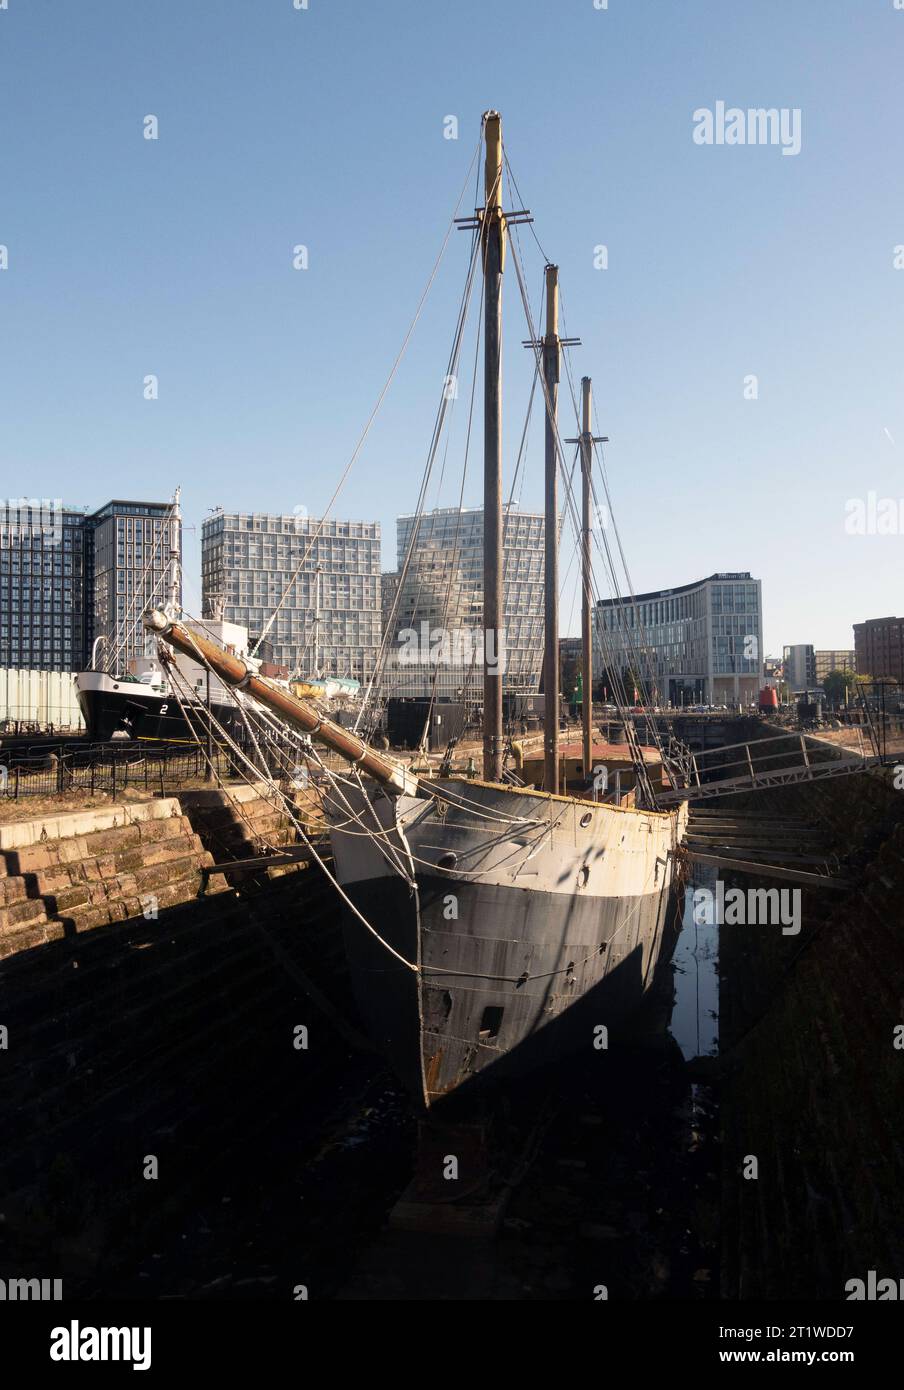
x: 174, y: 1036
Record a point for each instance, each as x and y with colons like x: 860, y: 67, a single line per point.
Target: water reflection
x: 695, y: 1015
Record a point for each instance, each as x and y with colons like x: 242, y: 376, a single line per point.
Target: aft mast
x: 551, y: 358
x: 587, y: 441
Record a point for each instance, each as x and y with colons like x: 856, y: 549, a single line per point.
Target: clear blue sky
x: 325, y: 127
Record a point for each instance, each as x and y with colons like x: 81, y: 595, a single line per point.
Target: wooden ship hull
x: 533, y: 919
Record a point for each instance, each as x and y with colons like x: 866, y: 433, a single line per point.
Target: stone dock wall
x: 814, y: 1081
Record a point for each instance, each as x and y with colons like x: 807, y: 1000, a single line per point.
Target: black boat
x: 144, y: 704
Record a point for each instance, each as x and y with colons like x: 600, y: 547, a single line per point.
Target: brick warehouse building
x: 879, y: 647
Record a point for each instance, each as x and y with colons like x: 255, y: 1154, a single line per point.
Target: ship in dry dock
x: 490, y: 927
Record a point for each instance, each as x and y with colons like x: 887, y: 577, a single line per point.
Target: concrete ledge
x: 22, y: 834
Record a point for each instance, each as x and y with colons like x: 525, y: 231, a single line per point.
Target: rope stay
x: 386, y: 385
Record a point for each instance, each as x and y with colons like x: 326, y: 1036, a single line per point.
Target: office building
x: 699, y: 643
x: 879, y: 648
x: 826, y: 661
x: 800, y: 667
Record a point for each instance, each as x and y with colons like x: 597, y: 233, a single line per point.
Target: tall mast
x: 317, y: 622
x: 551, y: 356
x: 493, y: 236
x: 173, y: 607
x: 586, y: 625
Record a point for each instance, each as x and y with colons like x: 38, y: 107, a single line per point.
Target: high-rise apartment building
x: 322, y: 576
x: 68, y: 577
x: 435, y: 639
x: 129, y: 570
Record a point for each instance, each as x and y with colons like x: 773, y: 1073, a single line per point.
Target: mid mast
x: 551, y: 360
x: 493, y: 235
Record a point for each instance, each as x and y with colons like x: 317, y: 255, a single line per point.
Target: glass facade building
x: 331, y: 618
x: 128, y: 571
x: 697, y: 644
x: 68, y: 577
x: 442, y: 593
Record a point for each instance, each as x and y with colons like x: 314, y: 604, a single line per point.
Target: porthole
x: 586, y: 818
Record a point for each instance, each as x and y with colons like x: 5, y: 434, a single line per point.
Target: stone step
x: 21, y: 914
x: 136, y: 870
x: 40, y: 934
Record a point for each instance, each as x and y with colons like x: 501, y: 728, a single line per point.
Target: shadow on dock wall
x: 814, y: 1085
x: 172, y: 1038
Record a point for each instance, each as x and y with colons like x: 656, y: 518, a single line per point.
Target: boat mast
x: 493, y: 235
x: 173, y: 607
x: 551, y: 359
x: 317, y: 573
x: 586, y: 625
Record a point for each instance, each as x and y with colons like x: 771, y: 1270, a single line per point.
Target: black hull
x: 128, y: 712
x: 474, y: 1019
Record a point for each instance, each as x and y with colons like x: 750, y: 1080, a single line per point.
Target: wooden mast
x: 235, y: 672
x: 493, y: 234
x: 586, y: 600
x: 551, y: 358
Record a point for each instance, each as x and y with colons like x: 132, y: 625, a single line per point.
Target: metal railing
x: 108, y: 768
x: 792, y: 757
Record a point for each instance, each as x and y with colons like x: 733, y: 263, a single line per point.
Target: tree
x: 568, y: 674
x: 837, y: 684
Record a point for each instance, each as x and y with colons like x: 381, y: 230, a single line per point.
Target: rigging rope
x: 357, y: 449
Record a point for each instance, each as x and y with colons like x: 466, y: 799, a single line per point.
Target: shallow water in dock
x: 695, y: 962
